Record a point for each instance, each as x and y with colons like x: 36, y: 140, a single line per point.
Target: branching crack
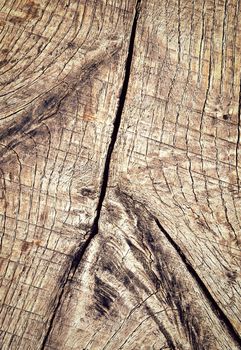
x: 95, y: 227
x: 213, y: 304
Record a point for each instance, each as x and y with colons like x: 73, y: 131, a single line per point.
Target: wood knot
x: 26, y: 246
x: 226, y: 117
x: 232, y: 276
x: 87, y: 192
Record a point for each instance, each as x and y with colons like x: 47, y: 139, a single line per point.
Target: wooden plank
x: 120, y: 152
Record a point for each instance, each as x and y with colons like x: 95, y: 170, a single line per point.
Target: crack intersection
x: 105, y: 178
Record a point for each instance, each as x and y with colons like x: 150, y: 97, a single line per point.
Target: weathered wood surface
x: 120, y: 174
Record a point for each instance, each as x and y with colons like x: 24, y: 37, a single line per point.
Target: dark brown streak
x: 48, y: 107
x: 215, y: 307
x: 95, y: 227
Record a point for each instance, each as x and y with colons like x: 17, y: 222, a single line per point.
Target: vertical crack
x: 105, y: 178
x: 238, y: 136
x: 116, y: 126
x: 212, y: 302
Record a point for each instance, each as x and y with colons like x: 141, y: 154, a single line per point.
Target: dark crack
x: 95, y: 227
x: 238, y: 136
x: 212, y: 302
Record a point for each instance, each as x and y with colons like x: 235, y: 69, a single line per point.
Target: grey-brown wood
x: 120, y: 174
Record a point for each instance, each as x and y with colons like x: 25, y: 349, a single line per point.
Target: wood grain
x: 180, y: 150
x: 120, y: 174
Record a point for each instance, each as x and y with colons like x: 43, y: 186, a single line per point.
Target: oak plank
x: 120, y: 144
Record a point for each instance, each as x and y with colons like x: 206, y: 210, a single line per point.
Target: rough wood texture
x: 120, y: 174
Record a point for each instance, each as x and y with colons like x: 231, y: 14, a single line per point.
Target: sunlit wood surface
x: 120, y: 174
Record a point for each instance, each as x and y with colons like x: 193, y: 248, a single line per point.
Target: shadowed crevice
x: 212, y: 302
x: 95, y: 227
x: 238, y: 137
